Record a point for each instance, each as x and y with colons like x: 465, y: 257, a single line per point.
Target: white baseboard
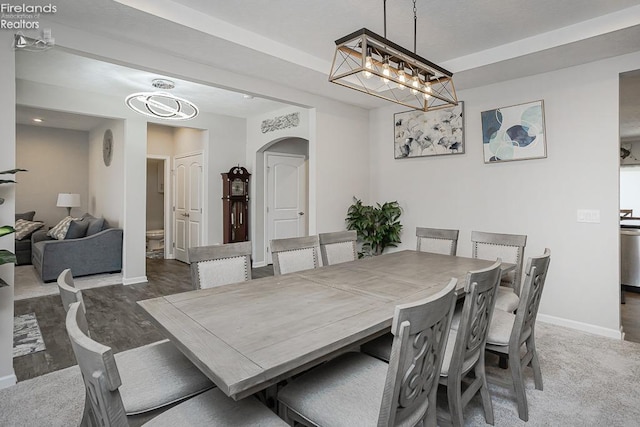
x: 134, y: 280
x: 259, y: 264
x: 580, y: 326
x: 8, y: 381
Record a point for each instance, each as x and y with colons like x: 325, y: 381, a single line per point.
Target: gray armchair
x: 98, y: 253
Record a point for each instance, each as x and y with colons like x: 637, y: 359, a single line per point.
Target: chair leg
x: 484, y: 392
x: 518, y: 386
x: 454, y: 397
x: 535, y: 363
x: 87, y: 414
x: 503, y: 362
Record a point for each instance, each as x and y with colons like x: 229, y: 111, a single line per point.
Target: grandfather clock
x: 235, y: 205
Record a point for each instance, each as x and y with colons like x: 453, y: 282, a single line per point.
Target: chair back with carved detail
x: 466, y: 362
x: 437, y: 240
x: 420, y: 330
x: 70, y: 294
x: 99, y: 373
x: 536, y: 275
x: 295, y: 254
x: 219, y: 265
x: 508, y: 247
x: 338, y: 247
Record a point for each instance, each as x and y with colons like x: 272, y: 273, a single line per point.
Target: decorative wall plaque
x: 281, y: 122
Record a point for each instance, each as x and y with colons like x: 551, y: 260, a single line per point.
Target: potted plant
x: 6, y: 256
x: 378, y: 226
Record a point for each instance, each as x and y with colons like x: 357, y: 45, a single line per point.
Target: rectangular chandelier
x: 370, y: 63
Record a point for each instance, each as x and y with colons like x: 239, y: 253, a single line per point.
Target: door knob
x: 300, y: 213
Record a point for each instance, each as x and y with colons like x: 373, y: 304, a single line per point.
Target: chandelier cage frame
x: 370, y: 63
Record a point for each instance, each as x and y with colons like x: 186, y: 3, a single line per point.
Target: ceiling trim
x: 601, y: 25
x: 180, y: 14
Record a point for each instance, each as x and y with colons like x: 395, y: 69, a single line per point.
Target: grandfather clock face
x: 237, y: 187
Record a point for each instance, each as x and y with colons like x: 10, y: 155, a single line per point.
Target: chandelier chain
x: 415, y: 25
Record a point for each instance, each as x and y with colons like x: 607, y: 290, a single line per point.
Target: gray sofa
x: 93, y: 254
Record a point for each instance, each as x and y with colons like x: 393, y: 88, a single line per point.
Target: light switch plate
x: 589, y: 215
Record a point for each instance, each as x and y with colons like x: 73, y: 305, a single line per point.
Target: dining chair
x: 509, y: 332
x: 219, y: 265
x: 338, y: 247
x: 510, y: 248
x: 356, y: 389
x: 105, y: 395
x: 295, y: 254
x: 463, y: 362
x: 155, y: 375
x: 437, y: 240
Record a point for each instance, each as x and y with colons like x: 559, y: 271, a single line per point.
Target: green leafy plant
x: 7, y: 256
x: 378, y: 226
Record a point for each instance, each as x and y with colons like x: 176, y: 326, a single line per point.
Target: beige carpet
x: 29, y: 285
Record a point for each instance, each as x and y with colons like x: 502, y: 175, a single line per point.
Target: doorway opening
x: 630, y: 204
x: 157, y: 206
x: 282, y: 193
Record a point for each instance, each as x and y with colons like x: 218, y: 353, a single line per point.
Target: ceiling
x: 290, y: 42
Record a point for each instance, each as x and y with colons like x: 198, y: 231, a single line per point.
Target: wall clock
x: 107, y: 147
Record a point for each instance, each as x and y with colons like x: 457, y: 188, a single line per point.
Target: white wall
x: 57, y: 161
x: 7, y: 210
x: 106, y: 183
x: 538, y: 198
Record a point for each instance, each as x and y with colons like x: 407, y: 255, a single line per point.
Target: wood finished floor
x: 112, y: 313
x: 630, y: 314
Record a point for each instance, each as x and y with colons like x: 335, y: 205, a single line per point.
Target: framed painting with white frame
x: 432, y: 133
x: 512, y: 133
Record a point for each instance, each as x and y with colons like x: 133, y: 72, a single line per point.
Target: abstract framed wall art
x: 514, y: 133
x: 432, y: 133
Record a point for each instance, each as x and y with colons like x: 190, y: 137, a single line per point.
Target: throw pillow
x: 59, y: 231
x: 26, y: 215
x: 26, y: 228
x: 96, y: 225
x: 77, y: 229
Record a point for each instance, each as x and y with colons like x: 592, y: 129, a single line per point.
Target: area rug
x: 29, y: 285
x: 27, y: 337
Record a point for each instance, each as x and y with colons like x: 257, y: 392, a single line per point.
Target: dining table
x: 250, y: 335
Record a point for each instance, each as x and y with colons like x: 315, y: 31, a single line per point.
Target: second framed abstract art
x: 514, y: 133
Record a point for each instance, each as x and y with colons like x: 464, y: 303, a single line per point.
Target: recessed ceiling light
x: 246, y: 96
x: 37, y: 120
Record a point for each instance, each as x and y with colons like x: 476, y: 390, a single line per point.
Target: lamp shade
x: 68, y: 200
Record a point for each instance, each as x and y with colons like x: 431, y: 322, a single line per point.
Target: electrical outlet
x: 589, y: 215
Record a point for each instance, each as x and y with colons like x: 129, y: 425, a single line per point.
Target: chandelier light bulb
x: 401, y: 76
x: 427, y: 89
x: 368, y: 64
x: 385, y: 72
x: 415, y: 84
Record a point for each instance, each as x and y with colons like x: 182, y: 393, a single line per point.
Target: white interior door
x: 188, y: 204
x: 286, y: 197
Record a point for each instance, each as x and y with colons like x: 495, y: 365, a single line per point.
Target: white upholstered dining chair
x: 356, y: 389
x: 105, y: 392
x: 510, y: 248
x: 155, y: 375
x: 437, y: 240
x: 510, y: 334
x: 295, y: 254
x: 338, y: 247
x: 218, y: 265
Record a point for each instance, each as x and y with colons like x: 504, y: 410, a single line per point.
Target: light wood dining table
x: 248, y: 336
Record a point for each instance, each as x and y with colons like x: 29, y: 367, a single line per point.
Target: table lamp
x: 68, y: 200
